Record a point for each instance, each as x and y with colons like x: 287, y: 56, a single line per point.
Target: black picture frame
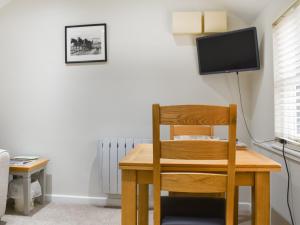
x: 85, y: 55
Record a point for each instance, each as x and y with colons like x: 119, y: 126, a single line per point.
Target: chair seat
x: 192, y: 211
x: 176, y: 220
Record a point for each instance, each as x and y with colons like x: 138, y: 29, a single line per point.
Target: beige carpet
x: 71, y: 214
x: 65, y: 214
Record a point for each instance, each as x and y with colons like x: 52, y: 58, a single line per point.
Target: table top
x: 141, y: 158
x: 36, y: 164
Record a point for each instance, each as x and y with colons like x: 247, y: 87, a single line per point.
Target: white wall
x: 59, y: 111
x: 262, y: 106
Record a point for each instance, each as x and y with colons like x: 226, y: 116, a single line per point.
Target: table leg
x: 42, y: 181
x: 236, y: 205
x: 26, y: 193
x: 143, y: 217
x: 262, y: 198
x: 129, y: 197
x: 253, y: 205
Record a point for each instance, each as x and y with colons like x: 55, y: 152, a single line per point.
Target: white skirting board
x: 84, y: 200
x: 244, y: 207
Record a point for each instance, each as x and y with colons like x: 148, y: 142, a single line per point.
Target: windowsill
x: 275, y: 148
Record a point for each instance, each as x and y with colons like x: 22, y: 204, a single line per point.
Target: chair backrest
x: 179, y: 181
x: 190, y: 130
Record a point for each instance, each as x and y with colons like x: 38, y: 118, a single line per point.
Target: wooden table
x: 252, y: 169
x: 25, y: 171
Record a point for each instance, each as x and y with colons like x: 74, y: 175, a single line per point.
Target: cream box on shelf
x: 197, y: 22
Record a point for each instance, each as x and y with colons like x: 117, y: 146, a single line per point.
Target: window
x: 286, y: 46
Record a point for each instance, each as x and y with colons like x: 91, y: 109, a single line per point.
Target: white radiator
x: 111, y: 151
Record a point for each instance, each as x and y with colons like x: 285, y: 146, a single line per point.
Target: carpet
x: 72, y: 214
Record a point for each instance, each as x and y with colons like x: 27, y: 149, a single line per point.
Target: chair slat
x: 194, y: 182
x: 194, y: 115
x: 191, y: 130
x: 194, y: 149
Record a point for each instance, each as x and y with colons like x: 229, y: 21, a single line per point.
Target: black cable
x: 284, y: 142
x: 245, y: 121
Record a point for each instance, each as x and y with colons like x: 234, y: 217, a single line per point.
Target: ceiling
x: 244, y: 9
x: 247, y: 10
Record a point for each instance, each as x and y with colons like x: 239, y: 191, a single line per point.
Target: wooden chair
x: 191, y: 130
x: 184, y: 181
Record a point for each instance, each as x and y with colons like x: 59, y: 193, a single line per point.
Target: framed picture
x: 85, y: 43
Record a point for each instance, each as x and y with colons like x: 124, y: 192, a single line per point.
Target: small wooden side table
x: 25, y: 171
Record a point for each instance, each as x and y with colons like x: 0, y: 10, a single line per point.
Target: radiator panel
x: 111, y: 151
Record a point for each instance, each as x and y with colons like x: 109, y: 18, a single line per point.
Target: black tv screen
x: 228, y: 52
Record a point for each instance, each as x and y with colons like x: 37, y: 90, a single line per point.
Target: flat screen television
x: 232, y: 51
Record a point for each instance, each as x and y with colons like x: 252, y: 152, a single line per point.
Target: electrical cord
x: 284, y: 142
x: 244, y: 118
